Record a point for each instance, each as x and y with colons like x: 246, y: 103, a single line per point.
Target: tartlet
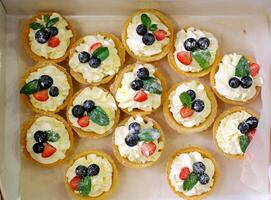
x: 149, y: 37
x: 47, y: 140
x: 46, y: 87
x: 228, y: 128
x: 192, y: 44
x: 48, y: 31
x: 180, y: 173
x: 139, y: 89
x: 236, y: 80
x: 138, y: 142
x: 92, y: 112
x: 100, y: 166
x: 96, y: 58
x: 191, y: 107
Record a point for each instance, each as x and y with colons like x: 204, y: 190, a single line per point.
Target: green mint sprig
x: 146, y: 20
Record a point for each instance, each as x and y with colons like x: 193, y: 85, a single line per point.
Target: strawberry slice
x: 184, y: 57
x: 186, y: 112
x: 41, y: 95
x: 74, y: 182
x: 184, y: 173
x: 83, y: 121
x: 53, y: 42
x: 148, y: 148
x: 251, y: 134
x: 254, y: 69
x: 160, y: 34
x: 95, y: 46
x: 48, y: 150
x: 140, y: 96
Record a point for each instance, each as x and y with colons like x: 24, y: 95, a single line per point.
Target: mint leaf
x: 52, y: 136
x: 202, y: 57
x: 99, y: 116
x: 242, y: 68
x: 35, y: 25
x: 148, y: 135
x: 146, y: 20
x: 186, y: 99
x: 153, y: 27
x: 46, y: 18
x: 52, y: 21
x: 30, y: 87
x: 190, y: 181
x: 102, y: 53
x: 152, y: 85
x: 244, y: 142
x: 84, y: 186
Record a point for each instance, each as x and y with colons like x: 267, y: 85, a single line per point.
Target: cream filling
x: 125, y: 93
x: 60, y: 81
x: 109, y: 67
x: 225, y: 72
x: 101, y: 98
x: 45, y: 123
x: 134, y: 41
x: 191, y: 32
x: 187, y: 160
x: 100, y: 183
x: 134, y: 153
x: 175, y: 104
x: 64, y: 35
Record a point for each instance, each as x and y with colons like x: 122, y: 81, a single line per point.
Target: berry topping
x: 254, y: 69
x: 95, y: 46
x: 192, y: 94
x: 184, y: 57
x: 74, y: 182
x: 45, y: 81
x: 53, y: 42
x: 41, y: 95
x: 184, y: 173
x: 141, y: 29
x: 234, y: 82
x: 198, y: 167
x: 88, y: 105
x: 94, y: 62
x: 131, y: 140
x: 186, y: 112
x: 53, y: 31
x: 42, y: 36
x: 140, y: 96
x: 134, y: 128
x: 252, y: 122
x: 204, y: 179
x: 83, y: 121
x: 190, y: 44
x: 203, y: 43
x: 148, y: 149
x: 251, y: 134
x: 81, y: 171
x: 160, y: 34
x: 83, y: 57
x: 143, y: 73
x: 243, y: 127
x: 93, y: 170
x: 136, y: 84
x: 148, y: 39
x: 198, y: 105
x: 41, y: 136
x: 38, y: 148
x: 53, y: 91
x: 48, y: 150
x: 246, y: 82
x: 78, y: 111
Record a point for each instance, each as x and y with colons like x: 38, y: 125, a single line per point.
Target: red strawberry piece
x: 41, y: 95
x: 254, y: 69
x: 184, y: 57
x: 251, y: 134
x: 160, y: 34
x: 184, y: 173
x: 140, y: 96
x: 48, y: 150
x: 186, y: 112
x: 95, y: 46
x: 74, y: 182
x: 53, y: 42
x: 83, y: 121
x: 148, y: 148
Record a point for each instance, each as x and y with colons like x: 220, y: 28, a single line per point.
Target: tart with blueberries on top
x: 96, y: 58
x: 191, y: 107
x: 47, y: 139
x: 139, y: 89
x: 233, y: 130
x: 46, y: 87
x: 236, y: 79
x: 92, y: 112
x: 91, y: 175
x: 195, y: 52
x: 48, y: 36
x: 147, y: 35
x: 138, y: 142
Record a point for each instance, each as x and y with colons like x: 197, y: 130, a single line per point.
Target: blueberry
x: 83, y: 57
x: 148, y: 39
x: 40, y: 136
x: 198, y: 105
x: 246, y: 82
x: 141, y: 29
x: 53, y: 91
x: 94, y: 62
x: 136, y: 84
x: 93, y: 170
x: 203, y: 43
x: 88, y: 105
x: 134, y: 128
x: 190, y: 44
x: 143, y: 73
x: 81, y: 171
x: 192, y: 94
x: 198, y: 167
x: 243, y: 127
x: 234, y: 82
x: 38, y: 147
x: 53, y: 31
x: 42, y: 36
x: 45, y: 81
x: 252, y: 122
x: 78, y: 111
x: 131, y: 140
x: 204, y: 179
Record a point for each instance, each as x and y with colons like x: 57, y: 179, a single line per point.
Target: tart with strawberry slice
x: 138, y: 142
x: 195, y: 52
x: 139, y: 89
x: 236, y: 79
x: 46, y: 87
x: 46, y: 139
x: 192, y: 173
x: 147, y: 35
x: 191, y: 107
x: 96, y: 58
x: 92, y: 112
x: 91, y: 175
x: 48, y: 36
x: 233, y: 130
